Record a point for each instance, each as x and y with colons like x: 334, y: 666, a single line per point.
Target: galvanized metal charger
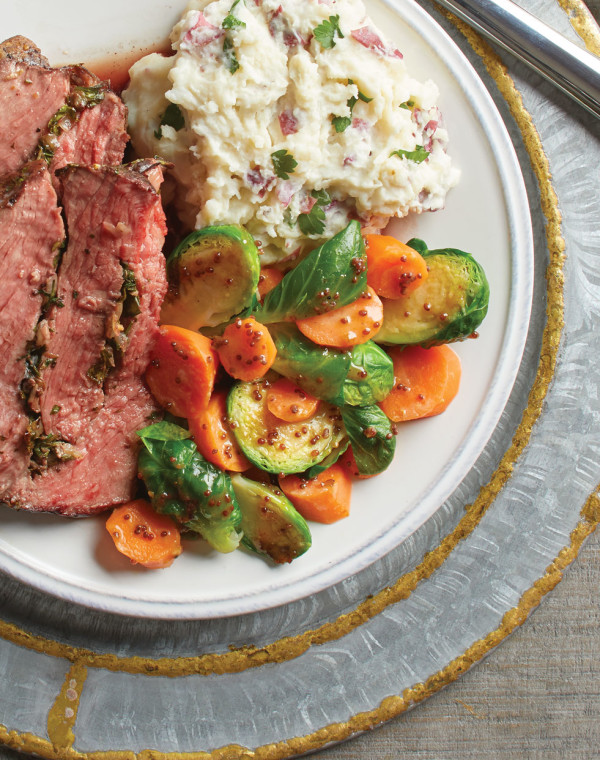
x: 78, y: 683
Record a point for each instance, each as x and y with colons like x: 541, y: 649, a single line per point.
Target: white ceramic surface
x: 486, y: 214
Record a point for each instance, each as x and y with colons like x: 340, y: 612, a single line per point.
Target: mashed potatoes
x: 289, y: 118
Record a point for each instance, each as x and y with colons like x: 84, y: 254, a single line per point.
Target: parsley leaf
x: 283, y: 163
x: 322, y: 197
x: 312, y: 223
x: 326, y: 31
x: 408, y: 104
x: 341, y: 123
x: 418, y: 155
x: 229, y: 58
x: 230, y: 21
x: 361, y: 95
x: 172, y: 117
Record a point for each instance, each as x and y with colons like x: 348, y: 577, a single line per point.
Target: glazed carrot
x: 348, y: 463
x: 324, y: 498
x: 213, y: 436
x: 182, y: 370
x: 393, y: 268
x: 290, y: 403
x: 269, y: 277
x: 246, y: 349
x: 147, y: 538
x: 425, y: 382
x: 347, y: 326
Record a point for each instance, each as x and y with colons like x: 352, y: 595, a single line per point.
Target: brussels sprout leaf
x: 331, y: 276
x: 182, y: 484
x: 370, y: 377
x: 370, y: 433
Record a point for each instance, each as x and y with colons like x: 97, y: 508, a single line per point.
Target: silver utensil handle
x: 574, y: 70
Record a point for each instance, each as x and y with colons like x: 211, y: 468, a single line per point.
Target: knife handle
x: 572, y: 69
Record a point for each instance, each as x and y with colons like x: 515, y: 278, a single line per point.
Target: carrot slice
x: 246, y: 349
x: 324, y: 498
x: 269, y: 277
x: 290, y: 403
x: 425, y: 382
x: 214, y: 438
x: 347, y: 326
x: 348, y: 462
x: 182, y: 370
x: 393, y: 268
x: 147, y: 538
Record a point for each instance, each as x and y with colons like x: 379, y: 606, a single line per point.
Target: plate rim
x: 515, y: 333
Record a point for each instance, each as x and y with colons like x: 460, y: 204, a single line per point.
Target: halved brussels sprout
x: 449, y: 306
x: 213, y: 274
x: 272, y: 527
x: 277, y: 446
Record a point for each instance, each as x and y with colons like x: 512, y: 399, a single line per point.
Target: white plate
x: 487, y: 214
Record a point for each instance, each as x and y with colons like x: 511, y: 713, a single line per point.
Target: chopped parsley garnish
x: 231, y: 62
x: 172, y: 117
x: 283, y: 163
x: 313, y: 223
x: 341, y: 123
x: 408, y: 104
x: 55, y: 409
x: 230, y: 21
x: 322, y: 197
x: 326, y: 32
x: 418, y: 155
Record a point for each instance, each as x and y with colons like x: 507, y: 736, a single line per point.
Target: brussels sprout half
x: 447, y: 307
x: 272, y: 527
x: 276, y: 446
x: 213, y: 274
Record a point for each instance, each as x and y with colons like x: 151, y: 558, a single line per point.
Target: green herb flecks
x: 229, y: 57
x: 98, y: 372
x: 51, y: 297
x: 341, y: 123
x: 326, y: 32
x: 284, y: 163
x: 418, y: 155
x: 118, y: 328
x: 46, y: 450
x: 67, y: 116
x: 172, y: 117
x: 408, y: 105
x: 313, y: 223
x: 231, y: 21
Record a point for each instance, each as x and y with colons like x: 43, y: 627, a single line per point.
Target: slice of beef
x: 31, y: 230
x: 30, y: 94
x: 92, y: 129
x: 65, y: 115
x: 116, y: 231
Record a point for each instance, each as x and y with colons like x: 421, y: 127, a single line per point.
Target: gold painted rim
x: 392, y: 706
x: 584, y: 23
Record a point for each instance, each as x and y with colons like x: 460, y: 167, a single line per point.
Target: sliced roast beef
x: 65, y: 115
x: 30, y: 94
x: 31, y: 231
x: 101, y: 330
x: 91, y: 128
